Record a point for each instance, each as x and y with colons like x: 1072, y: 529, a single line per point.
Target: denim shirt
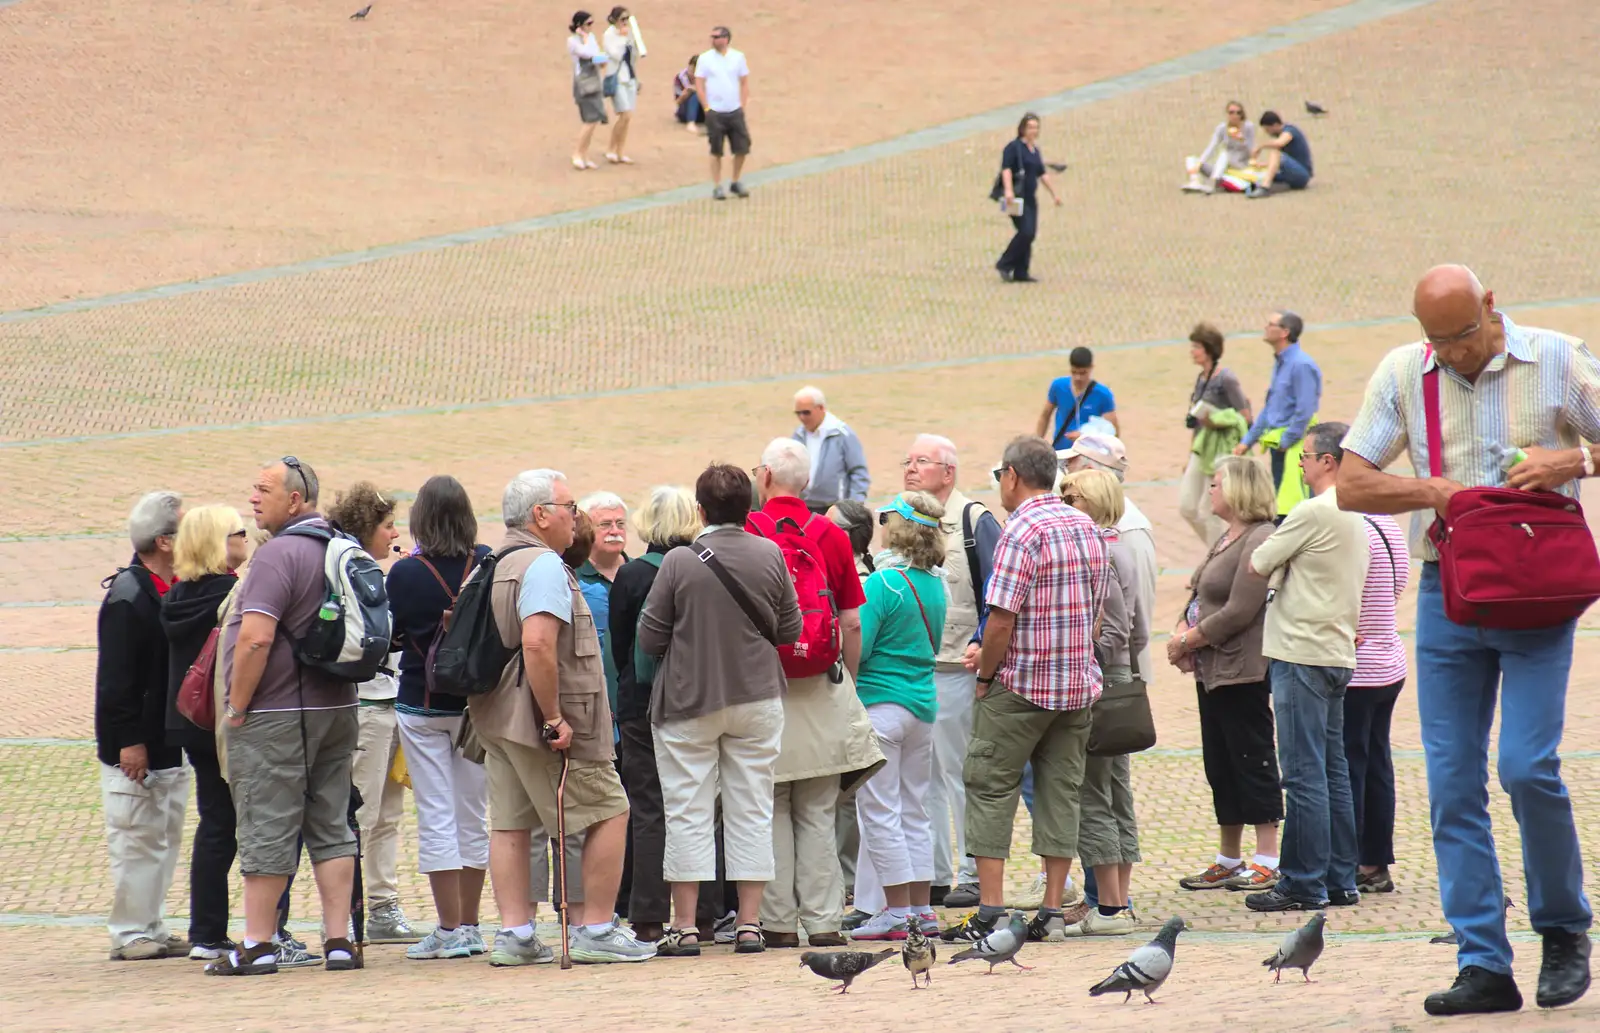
x: 1292, y: 399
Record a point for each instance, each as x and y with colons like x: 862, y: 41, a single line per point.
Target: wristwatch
x: 551, y: 730
x: 987, y: 681
x: 227, y: 708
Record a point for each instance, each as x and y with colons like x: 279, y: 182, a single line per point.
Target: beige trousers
x: 382, y: 801
x: 1194, y: 502
x: 144, y: 835
x: 808, y: 888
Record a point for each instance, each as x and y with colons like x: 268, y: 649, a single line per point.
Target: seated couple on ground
x: 1234, y: 160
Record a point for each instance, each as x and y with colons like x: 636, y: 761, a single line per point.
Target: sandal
x: 744, y: 946
x: 678, y: 943
x: 578, y: 163
x: 612, y: 158
x: 346, y: 964
x: 242, y: 962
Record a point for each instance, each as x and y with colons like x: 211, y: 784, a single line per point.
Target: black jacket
x: 188, y: 613
x: 628, y: 593
x: 130, y: 684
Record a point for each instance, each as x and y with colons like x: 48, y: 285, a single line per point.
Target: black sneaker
x: 1379, y: 881
x: 738, y: 189
x: 1046, y: 923
x: 964, y: 895
x: 1344, y: 898
x: 1564, y: 974
x: 1277, y: 900
x: 1476, y: 991
x: 936, y: 895
x: 970, y: 929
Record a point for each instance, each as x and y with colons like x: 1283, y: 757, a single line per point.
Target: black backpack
x: 470, y: 658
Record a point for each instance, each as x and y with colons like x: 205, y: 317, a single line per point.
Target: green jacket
x: 1212, y: 443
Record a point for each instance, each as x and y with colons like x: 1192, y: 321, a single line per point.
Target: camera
x: 1190, y: 422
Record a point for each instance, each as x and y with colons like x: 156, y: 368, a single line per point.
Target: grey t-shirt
x: 1222, y: 390
x: 285, y: 582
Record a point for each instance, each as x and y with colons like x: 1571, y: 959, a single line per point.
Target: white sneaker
x: 1096, y: 924
x: 882, y: 926
x: 614, y: 944
x: 440, y: 944
x: 1030, y: 899
x: 928, y: 921
x: 474, y: 937
x: 726, y: 927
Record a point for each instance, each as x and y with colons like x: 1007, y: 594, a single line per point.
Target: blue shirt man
x: 1294, y: 395
x: 1074, y: 400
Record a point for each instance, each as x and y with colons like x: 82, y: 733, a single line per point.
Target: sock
x: 450, y: 929
x: 989, y: 914
x: 523, y: 931
x: 1269, y: 863
x: 596, y: 930
x: 1107, y: 911
x: 899, y: 914
x: 248, y: 943
x: 338, y: 955
x: 1229, y: 862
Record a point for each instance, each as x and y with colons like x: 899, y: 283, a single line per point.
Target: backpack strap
x: 440, y: 577
x: 969, y: 541
x: 925, y: 625
x: 737, y: 591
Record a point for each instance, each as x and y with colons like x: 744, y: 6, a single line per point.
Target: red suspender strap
x: 1430, y: 412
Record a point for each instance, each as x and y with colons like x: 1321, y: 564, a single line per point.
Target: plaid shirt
x: 1052, y: 570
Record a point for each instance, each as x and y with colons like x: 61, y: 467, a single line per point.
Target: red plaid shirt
x: 1052, y: 570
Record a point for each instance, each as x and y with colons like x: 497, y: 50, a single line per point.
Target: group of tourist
x: 792, y: 719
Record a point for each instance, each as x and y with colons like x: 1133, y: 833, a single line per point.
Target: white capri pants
x: 451, y: 792
x: 737, y: 748
x: 892, y: 809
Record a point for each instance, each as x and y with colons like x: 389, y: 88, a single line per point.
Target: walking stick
x: 561, y: 859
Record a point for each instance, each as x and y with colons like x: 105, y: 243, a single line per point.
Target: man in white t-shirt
x: 722, y: 79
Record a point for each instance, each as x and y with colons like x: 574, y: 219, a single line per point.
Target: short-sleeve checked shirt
x: 1052, y: 570
x: 1543, y: 390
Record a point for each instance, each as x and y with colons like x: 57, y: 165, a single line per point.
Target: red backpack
x: 821, y: 643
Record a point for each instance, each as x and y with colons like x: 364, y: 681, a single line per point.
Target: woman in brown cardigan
x: 1219, y: 639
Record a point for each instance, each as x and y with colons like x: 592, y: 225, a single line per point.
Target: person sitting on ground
x: 1284, y: 156
x: 686, y: 99
x: 1233, y: 144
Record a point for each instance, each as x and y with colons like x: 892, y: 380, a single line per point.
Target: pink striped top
x: 1381, y: 656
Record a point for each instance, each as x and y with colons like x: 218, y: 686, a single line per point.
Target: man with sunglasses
x: 1537, y: 392
x: 838, y: 462
x: 1317, y: 562
x: 722, y: 80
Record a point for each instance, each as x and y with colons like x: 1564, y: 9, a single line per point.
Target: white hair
x: 813, y: 393
x: 528, y: 489
x: 602, y: 500
x: 789, y: 462
x: 152, y: 517
x: 943, y: 448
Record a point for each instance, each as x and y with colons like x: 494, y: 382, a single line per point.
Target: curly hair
x: 361, y: 510
x: 921, y: 545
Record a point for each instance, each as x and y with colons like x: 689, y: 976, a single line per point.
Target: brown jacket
x: 509, y: 712
x: 714, y: 656
x: 1233, y: 610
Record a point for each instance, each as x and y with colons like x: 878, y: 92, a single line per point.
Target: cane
x: 561, y: 859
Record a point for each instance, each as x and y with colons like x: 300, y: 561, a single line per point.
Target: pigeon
x: 1056, y: 166
x: 1146, y: 968
x: 1300, y: 949
x: 361, y: 14
x: 843, y: 965
x: 1450, y: 937
x: 1000, y: 946
x: 1313, y: 108
x: 918, y: 953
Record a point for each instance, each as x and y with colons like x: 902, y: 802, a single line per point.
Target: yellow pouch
x: 398, y: 773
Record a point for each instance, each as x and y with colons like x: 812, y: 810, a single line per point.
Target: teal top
x: 897, y: 647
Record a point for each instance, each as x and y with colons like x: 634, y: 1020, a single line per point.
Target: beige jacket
x: 826, y: 731
x: 961, y: 596
x: 1317, y: 564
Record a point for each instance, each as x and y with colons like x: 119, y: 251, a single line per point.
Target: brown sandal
x: 339, y: 943
x: 744, y: 946
x: 678, y: 943
x: 241, y: 961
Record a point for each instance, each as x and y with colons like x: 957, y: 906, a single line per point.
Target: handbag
x: 588, y: 80
x: 608, y: 85
x: 998, y: 191
x: 1121, y: 722
x: 196, y: 702
x: 1508, y: 558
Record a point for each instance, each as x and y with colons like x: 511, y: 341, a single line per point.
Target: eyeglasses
x: 802, y: 412
x: 922, y: 462
x: 612, y: 525
x: 718, y: 35
x: 1439, y: 342
x: 998, y: 471
x: 1318, y: 455
x: 1071, y: 498
x: 755, y: 471
x: 240, y: 533
x: 294, y: 464
x: 570, y: 507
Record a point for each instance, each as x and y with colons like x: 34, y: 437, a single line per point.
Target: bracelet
x: 987, y: 681
x: 1588, y: 460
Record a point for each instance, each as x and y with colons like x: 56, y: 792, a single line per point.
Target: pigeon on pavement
x: 1000, y: 946
x: 1300, y: 949
x: 843, y: 965
x: 361, y: 14
x: 1450, y: 937
x: 918, y: 953
x: 1313, y: 108
x: 1146, y: 968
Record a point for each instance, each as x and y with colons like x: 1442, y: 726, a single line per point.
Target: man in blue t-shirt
x: 1284, y: 152
x: 1073, y: 400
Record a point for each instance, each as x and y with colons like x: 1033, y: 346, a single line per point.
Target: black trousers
x: 1019, y: 253
x: 1241, y: 758
x: 650, y: 900
x: 214, y: 849
x: 1367, y: 714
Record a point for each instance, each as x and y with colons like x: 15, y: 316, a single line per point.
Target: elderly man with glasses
x: 838, y: 462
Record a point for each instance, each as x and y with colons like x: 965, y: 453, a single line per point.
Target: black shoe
x: 1277, y: 900
x: 964, y: 895
x: 969, y: 930
x: 1344, y: 898
x: 936, y: 895
x: 1379, y: 881
x: 1476, y: 991
x: 1005, y: 274
x: 1023, y: 278
x: 1564, y: 974
x: 738, y: 189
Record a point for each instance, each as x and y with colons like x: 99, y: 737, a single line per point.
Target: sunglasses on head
x: 294, y: 464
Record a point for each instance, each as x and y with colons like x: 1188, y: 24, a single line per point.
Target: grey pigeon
x: 918, y: 953
x: 1000, y: 946
x: 1315, y: 109
x: 1300, y: 949
x: 1450, y: 937
x: 361, y: 14
x: 843, y: 965
x: 1056, y: 166
x: 1146, y: 968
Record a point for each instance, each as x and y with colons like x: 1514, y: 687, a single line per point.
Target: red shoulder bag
x: 1509, y: 558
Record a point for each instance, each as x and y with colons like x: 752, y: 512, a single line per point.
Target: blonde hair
x: 922, y: 546
x: 1099, y: 495
x: 201, y: 547
x: 1247, y: 489
x: 668, y: 515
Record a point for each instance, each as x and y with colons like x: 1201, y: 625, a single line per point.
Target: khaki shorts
x: 522, y: 789
x: 267, y: 768
x: 1007, y: 732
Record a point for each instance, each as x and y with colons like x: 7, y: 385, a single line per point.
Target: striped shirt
x: 1380, y: 655
x: 1051, y: 569
x: 1543, y: 390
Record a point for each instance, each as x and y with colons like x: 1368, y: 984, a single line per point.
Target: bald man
x: 1483, y: 362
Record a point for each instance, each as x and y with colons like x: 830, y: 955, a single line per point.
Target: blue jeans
x: 1459, y: 670
x: 1319, y: 827
x: 689, y: 109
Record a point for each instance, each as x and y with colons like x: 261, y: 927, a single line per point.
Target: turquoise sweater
x: 896, y: 649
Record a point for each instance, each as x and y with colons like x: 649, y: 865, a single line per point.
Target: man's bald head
x: 1457, y: 317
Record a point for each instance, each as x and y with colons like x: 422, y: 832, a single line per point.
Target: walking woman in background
x: 1022, y: 169
x: 622, y: 84
x: 588, y: 83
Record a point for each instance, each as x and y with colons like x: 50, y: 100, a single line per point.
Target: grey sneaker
x: 725, y: 928
x: 964, y: 895
x: 615, y: 944
x: 387, y: 924
x: 719, y: 194
x: 855, y: 919
x: 293, y: 954
x: 450, y: 943
x: 511, y: 949
x: 738, y: 189
x: 140, y: 948
x: 474, y: 937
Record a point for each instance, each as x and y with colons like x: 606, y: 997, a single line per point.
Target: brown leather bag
x: 195, y: 699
